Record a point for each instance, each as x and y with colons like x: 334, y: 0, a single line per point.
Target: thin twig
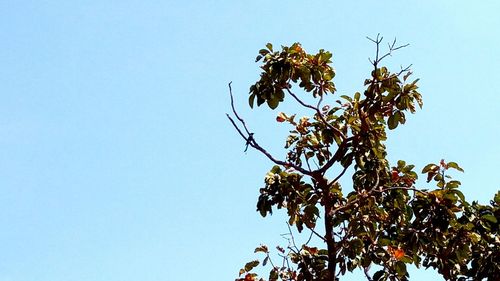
x: 319, y: 102
x: 311, y: 229
x: 379, y: 58
x: 339, y: 176
x: 234, y: 110
x: 292, y: 239
x: 366, y: 269
x: 310, y: 237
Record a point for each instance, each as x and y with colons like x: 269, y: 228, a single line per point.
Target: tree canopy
x: 387, y: 221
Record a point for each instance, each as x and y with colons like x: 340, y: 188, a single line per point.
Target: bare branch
x: 234, y: 110
x: 392, y: 48
x: 292, y: 239
x: 250, y: 140
x: 367, y: 274
x: 313, y: 231
x: 319, y: 102
x: 237, y: 128
x: 310, y: 237
x: 317, y: 234
x: 339, y: 176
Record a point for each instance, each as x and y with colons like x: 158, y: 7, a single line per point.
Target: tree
x: 386, y: 222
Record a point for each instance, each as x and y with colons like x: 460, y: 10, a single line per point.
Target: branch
x: 292, y: 239
x: 339, y: 176
x: 392, y: 48
x: 250, y: 140
x: 234, y: 110
x: 316, y: 233
x: 310, y: 237
x: 367, y: 274
x: 311, y: 229
x: 337, y: 156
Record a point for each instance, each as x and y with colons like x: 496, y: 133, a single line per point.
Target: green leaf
x: 459, y: 194
x: 450, y: 196
x: 384, y: 242
x: 429, y: 167
x: 269, y: 46
x: 406, y: 259
x: 311, y: 210
x: 401, y: 268
x: 378, y: 275
x: 251, y: 100
x: 455, y: 166
x: 348, y: 98
x: 475, y: 237
x: 402, y: 118
x: 453, y: 184
x: 263, y: 52
x: 408, y: 168
x: 490, y: 218
x: 440, y: 184
x: 273, y: 103
x: 251, y: 265
x: 392, y: 122
x: 273, y: 275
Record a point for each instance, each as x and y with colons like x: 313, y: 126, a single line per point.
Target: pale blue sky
x: 117, y: 162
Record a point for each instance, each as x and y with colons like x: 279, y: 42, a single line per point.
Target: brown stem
x: 254, y: 144
x: 330, y: 240
x: 341, y: 151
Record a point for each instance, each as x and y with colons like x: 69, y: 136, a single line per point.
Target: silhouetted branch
x: 337, y: 156
x: 234, y: 110
x: 392, y: 48
x: 250, y: 140
x: 365, y: 270
x: 339, y: 176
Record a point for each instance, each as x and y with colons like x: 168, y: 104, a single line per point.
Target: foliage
x: 386, y: 222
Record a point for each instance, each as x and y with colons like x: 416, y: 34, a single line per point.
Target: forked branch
x: 392, y: 47
x: 250, y: 139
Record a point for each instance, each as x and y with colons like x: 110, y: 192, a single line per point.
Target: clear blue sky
x: 117, y: 162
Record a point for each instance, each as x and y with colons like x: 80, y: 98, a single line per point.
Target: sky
x: 118, y: 163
